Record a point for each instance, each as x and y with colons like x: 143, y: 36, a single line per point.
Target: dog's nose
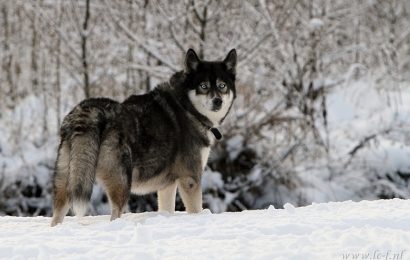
x: 217, y: 102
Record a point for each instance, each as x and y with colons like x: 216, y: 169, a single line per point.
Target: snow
x: 316, y: 23
x: 358, y: 110
x: 211, y: 179
x: 335, y: 230
x: 234, y: 146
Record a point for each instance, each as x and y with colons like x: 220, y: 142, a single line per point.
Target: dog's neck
x: 202, y: 120
x: 205, y: 123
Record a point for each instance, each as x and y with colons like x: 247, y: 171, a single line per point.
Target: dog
x: 155, y: 142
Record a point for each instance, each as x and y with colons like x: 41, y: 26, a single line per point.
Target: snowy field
x: 336, y: 230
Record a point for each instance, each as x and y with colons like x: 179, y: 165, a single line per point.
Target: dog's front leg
x: 191, y: 194
x: 166, y: 198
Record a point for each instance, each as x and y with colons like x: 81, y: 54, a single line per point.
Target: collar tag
x: 216, y: 133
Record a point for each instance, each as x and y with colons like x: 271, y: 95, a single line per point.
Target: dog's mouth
x: 216, y: 109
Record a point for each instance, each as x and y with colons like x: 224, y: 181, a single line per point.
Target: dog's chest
x: 204, y: 155
x: 204, y: 151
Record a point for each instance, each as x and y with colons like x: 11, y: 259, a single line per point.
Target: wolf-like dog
x: 154, y: 142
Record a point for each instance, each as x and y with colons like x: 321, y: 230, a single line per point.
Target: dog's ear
x: 230, y: 61
x: 191, y: 61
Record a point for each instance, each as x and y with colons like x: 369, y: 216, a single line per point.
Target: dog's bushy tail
x: 82, y: 130
x: 83, y: 160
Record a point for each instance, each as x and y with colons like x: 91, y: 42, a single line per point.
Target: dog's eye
x: 203, y: 86
x: 222, y: 85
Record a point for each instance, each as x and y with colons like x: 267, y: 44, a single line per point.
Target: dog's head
x: 211, y: 85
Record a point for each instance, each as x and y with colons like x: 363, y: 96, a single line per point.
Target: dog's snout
x: 217, y: 102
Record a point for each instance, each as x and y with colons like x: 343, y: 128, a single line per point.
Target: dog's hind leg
x: 191, y: 194
x: 114, y: 174
x: 60, y: 182
x: 118, y: 192
x: 166, y: 198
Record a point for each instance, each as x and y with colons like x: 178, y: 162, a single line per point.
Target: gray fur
x: 148, y: 143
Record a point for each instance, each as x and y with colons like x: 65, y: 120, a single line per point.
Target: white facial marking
x: 204, y: 105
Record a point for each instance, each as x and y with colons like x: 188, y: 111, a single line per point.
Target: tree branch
x: 130, y: 35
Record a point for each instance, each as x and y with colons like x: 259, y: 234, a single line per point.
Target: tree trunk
x: 84, y: 37
x: 57, y: 84
x: 130, y: 82
x: 34, y: 50
x: 202, y: 36
x: 7, y: 60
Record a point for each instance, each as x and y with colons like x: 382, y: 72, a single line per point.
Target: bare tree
x: 292, y: 56
x: 84, y: 38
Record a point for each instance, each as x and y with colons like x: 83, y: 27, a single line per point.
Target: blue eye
x: 203, y: 86
x: 222, y: 85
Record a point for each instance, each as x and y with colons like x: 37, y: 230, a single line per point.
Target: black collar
x: 204, y: 121
x: 214, y: 130
x: 217, y: 134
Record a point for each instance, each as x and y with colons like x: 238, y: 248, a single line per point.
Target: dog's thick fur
x: 153, y: 142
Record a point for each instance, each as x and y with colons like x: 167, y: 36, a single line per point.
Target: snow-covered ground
x: 337, y: 230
